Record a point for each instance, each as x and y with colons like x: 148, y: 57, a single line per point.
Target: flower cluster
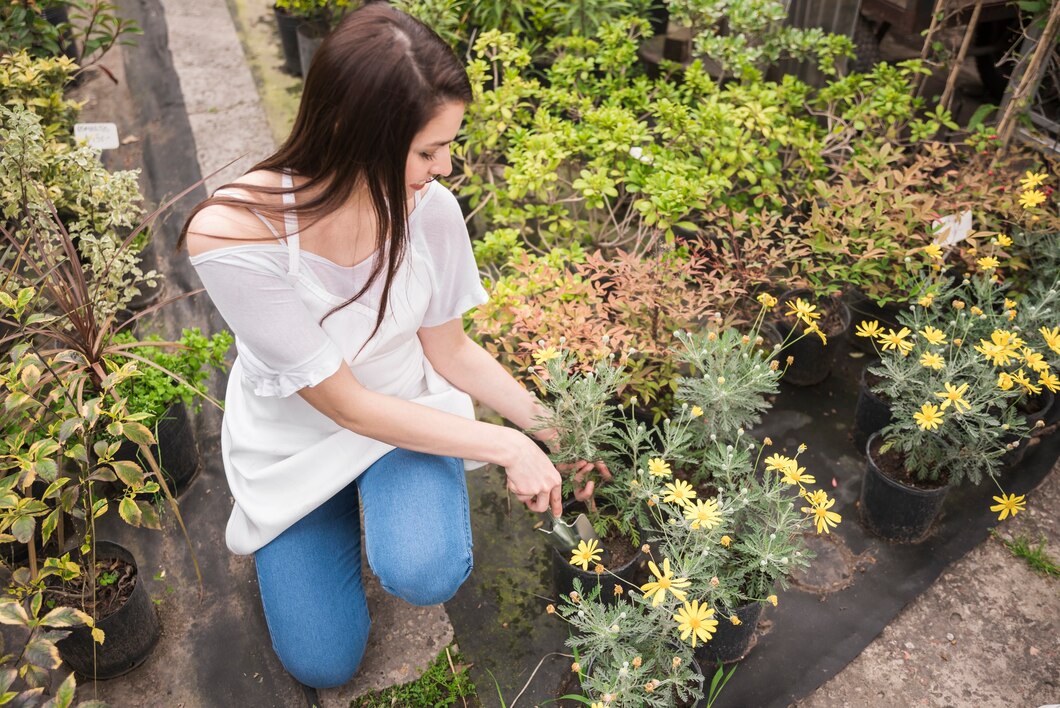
x: 955, y: 375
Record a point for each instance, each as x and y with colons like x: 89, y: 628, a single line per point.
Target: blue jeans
x: 417, y: 534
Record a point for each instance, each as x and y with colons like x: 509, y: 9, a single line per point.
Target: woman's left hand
x: 580, y: 469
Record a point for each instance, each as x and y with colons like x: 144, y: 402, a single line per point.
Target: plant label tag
x: 952, y: 229
x: 102, y: 136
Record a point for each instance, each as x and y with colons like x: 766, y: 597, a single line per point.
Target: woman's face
x: 429, y: 154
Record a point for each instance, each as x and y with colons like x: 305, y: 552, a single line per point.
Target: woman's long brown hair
x: 374, y: 83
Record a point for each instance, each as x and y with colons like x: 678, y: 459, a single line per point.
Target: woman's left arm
x: 474, y: 371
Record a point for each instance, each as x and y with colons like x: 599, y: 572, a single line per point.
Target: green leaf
x: 7, y: 677
x: 23, y: 528
x: 149, y: 515
x: 139, y: 434
x: 128, y: 472
x: 68, y: 428
x: 41, y: 652
x: 65, y: 695
x: 128, y: 511
x: 12, y: 612
x: 65, y: 617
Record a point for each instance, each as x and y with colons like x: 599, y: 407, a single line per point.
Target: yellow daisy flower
x: 1034, y: 360
x: 585, y: 553
x: 725, y: 541
x: 1020, y: 377
x: 933, y: 250
x: 696, y: 620
x: 926, y: 300
x: 1009, y: 504
x: 696, y: 411
x: 1032, y: 180
x: 793, y: 474
x: 954, y: 395
x: 680, y: 493
x: 929, y: 417
x: 777, y: 462
x: 767, y: 300
x: 933, y: 335
x: 703, y: 514
x: 1049, y: 380
x: 868, y: 328
x: 1031, y: 198
x: 1052, y: 338
x: 546, y: 354
x: 803, y: 310
x: 1002, y: 240
x: 988, y: 263
x: 897, y: 340
x: 664, y: 582
x: 1005, y: 382
x: 772, y: 599
x: 658, y: 467
x: 822, y: 517
x: 932, y: 361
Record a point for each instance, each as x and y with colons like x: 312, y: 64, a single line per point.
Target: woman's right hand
x: 532, y: 477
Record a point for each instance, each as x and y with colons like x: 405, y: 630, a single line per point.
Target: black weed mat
x: 855, y: 587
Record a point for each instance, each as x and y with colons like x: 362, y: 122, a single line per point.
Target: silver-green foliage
x: 623, y: 646
x: 732, y: 378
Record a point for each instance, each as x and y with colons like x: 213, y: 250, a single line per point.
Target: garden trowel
x: 565, y: 536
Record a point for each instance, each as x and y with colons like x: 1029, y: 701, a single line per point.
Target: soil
x: 116, y: 580
x: 892, y: 464
x: 831, y: 322
x: 617, y: 549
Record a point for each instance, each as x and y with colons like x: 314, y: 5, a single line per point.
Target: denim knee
x: 327, y: 663
x: 424, y: 580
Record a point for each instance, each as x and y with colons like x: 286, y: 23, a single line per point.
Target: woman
x: 343, y: 270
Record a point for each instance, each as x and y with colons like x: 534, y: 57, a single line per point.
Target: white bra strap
x: 255, y: 212
x: 290, y: 225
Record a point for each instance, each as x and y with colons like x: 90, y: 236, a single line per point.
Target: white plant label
x: 102, y: 136
x: 952, y: 229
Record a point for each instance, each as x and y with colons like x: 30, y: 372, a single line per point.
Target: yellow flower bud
x: 637, y: 661
x: 618, y: 590
x: 576, y: 667
x: 676, y: 662
x: 735, y: 620
x: 725, y: 541
x: 646, y: 548
x: 551, y: 609
x: 772, y: 599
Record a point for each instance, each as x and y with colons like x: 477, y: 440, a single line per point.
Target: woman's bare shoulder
x: 223, y: 225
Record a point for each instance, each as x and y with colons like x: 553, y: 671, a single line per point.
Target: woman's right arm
x: 531, y: 475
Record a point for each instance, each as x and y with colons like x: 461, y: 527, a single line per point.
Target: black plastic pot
x: 287, y: 25
x: 731, y: 642
x: 633, y: 571
x: 871, y: 414
x: 812, y: 360
x: 176, y: 450
x: 892, y: 510
x: 310, y: 37
x: 131, y: 632
x: 1047, y: 401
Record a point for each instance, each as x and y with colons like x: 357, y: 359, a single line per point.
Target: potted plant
x: 589, y: 427
x: 803, y: 315
x: 953, y: 375
x: 62, y: 382
x: 635, y: 653
x: 170, y: 380
x: 311, y: 21
x: 731, y: 533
